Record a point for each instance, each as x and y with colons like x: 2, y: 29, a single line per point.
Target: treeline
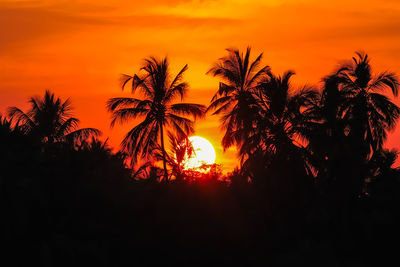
x: 314, y: 184
x: 334, y: 134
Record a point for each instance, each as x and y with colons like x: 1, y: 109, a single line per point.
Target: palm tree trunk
x: 163, y: 153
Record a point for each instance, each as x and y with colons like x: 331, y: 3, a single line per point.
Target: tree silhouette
x: 50, y: 120
x: 235, y: 98
x: 277, y: 140
x: 350, y: 122
x: 326, y: 128
x: 157, y: 108
x: 282, y: 113
x: 370, y: 113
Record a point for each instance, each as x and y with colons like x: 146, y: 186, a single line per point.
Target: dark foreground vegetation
x: 315, y: 185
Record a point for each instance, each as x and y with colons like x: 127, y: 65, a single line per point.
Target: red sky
x: 78, y: 48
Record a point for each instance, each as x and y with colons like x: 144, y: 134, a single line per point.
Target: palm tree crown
x: 370, y: 113
x: 283, y: 113
x: 157, y: 109
x: 50, y: 119
x: 235, y: 97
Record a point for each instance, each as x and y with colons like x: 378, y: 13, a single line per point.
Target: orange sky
x: 78, y: 48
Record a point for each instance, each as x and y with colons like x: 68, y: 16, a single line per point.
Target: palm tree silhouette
x: 350, y: 123
x: 283, y: 112
x: 235, y: 98
x: 157, y: 108
x: 370, y: 113
x: 326, y: 128
x: 50, y: 119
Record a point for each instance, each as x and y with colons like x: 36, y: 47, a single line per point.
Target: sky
x: 79, y: 48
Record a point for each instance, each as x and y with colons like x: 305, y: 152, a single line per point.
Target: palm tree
x: 157, y: 108
x: 370, y: 113
x: 235, y: 98
x: 326, y: 128
x: 274, y: 154
x: 50, y: 120
x: 350, y: 123
x: 283, y: 112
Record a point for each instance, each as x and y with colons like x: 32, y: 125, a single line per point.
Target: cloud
x: 23, y: 22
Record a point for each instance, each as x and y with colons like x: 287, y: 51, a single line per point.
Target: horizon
x: 79, y: 49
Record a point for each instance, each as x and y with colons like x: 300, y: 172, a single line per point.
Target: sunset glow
x: 78, y: 49
x: 204, y: 153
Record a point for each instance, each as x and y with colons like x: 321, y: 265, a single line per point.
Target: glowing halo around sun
x: 204, y: 153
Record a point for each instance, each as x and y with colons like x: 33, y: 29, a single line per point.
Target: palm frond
x: 67, y: 126
x: 261, y: 76
x: 218, y: 102
x: 227, y: 74
x: 195, y: 110
x: 124, y: 79
x: 118, y: 102
x: 141, y: 139
x: 384, y: 80
x: 179, y: 89
x: 82, y: 134
x: 65, y: 108
x: 21, y: 118
x: 124, y: 114
x: 186, y: 123
x: 389, y: 111
x: 178, y: 77
x: 178, y: 129
x: 223, y: 108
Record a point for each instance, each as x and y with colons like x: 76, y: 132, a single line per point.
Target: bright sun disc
x: 204, y: 153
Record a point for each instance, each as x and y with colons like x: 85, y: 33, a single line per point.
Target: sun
x: 204, y: 153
